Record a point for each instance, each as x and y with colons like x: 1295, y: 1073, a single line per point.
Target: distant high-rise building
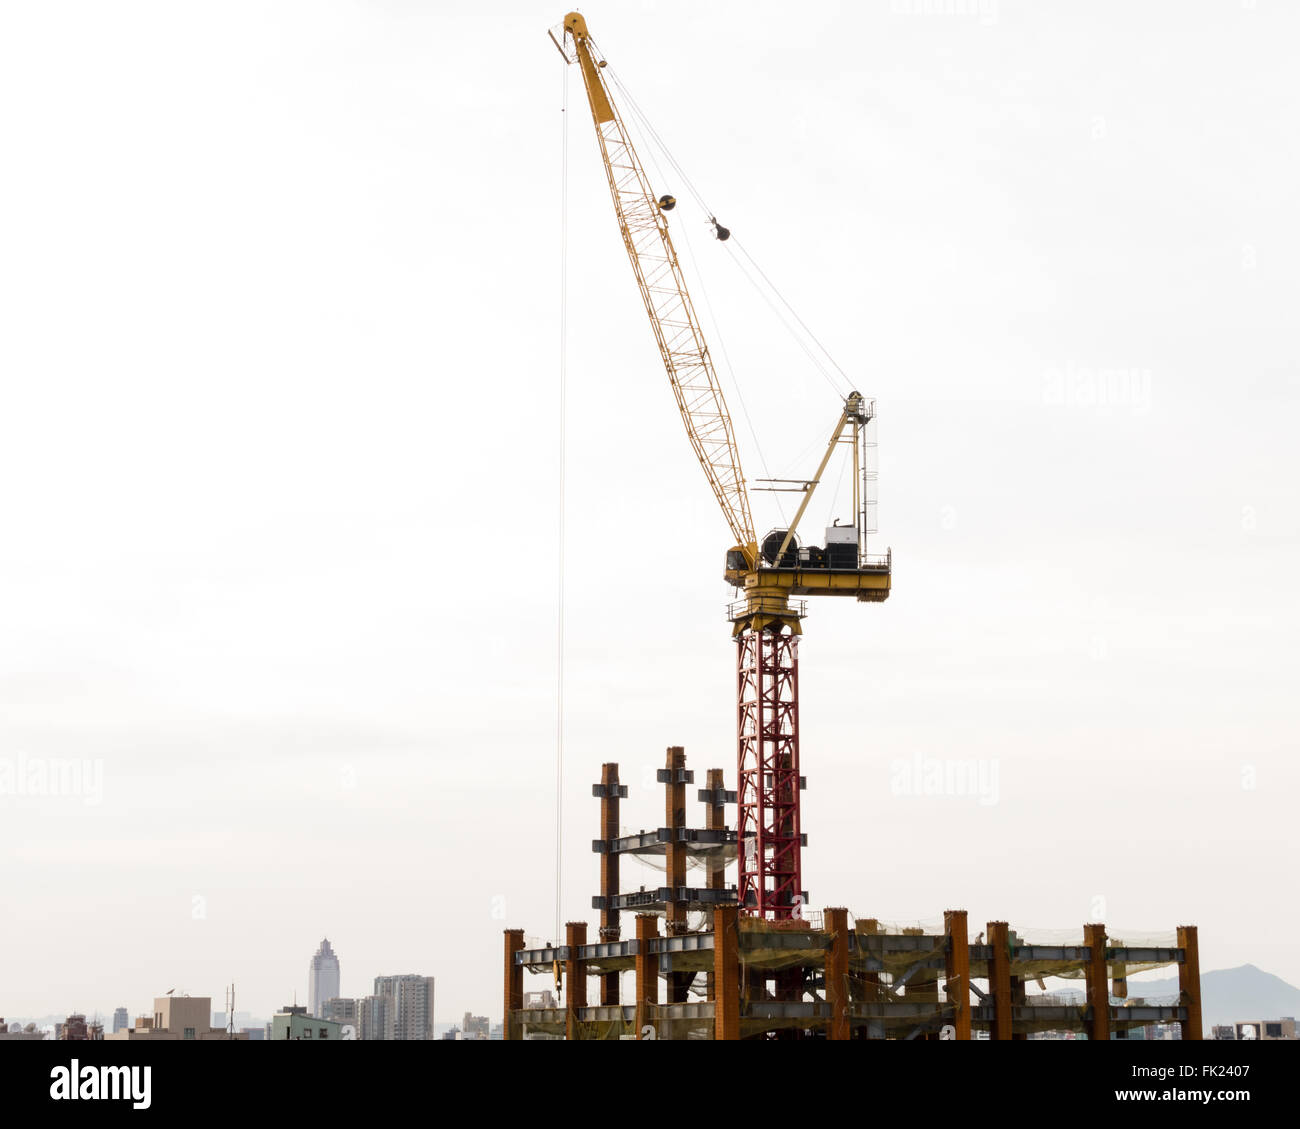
x: 121, y: 1020
x: 408, y: 1006
x: 375, y: 1018
x: 475, y: 1027
x: 323, y: 979
x: 340, y: 1009
x: 347, y: 1014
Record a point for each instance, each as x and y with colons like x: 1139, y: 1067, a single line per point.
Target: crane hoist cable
x: 848, y: 384
x: 653, y: 134
x: 562, y: 486
x: 803, y: 345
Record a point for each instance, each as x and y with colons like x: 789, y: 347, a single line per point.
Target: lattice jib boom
x: 644, y: 228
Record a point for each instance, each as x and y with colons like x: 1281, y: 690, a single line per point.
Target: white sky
x: 279, y: 449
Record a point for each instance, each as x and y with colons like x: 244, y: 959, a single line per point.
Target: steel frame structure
x: 768, y: 836
x: 831, y: 975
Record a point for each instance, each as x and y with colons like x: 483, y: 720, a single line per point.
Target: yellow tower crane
x: 766, y: 621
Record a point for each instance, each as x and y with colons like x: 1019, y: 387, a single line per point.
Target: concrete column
x: 575, y: 975
x: 726, y: 973
x: 715, y: 819
x: 675, y: 855
x: 1094, y: 936
x: 647, y: 971
x: 1119, y: 989
x: 611, y: 793
x: 675, y: 864
x: 1000, y: 979
x: 1119, y: 981
x: 1189, y: 982
x: 957, y: 969
x: 1018, y: 1000
x: 837, y: 973
x: 514, y: 994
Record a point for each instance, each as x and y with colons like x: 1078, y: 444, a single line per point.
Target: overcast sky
x: 279, y: 453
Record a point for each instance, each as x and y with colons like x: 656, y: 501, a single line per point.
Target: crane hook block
x: 723, y: 233
x: 667, y: 203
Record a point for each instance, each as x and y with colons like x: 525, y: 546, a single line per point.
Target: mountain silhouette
x: 1232, y: 995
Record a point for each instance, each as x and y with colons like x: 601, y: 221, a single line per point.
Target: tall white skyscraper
x: 323, y: 979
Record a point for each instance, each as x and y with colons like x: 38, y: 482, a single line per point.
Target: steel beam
x: 791, y: 939
x: 785, y: 1009
x: 901, y: 942
x: 1126, y: 955
x: 897, y: 1009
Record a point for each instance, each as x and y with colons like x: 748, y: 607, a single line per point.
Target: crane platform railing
x: 867, y: 562
x: 737, y: 609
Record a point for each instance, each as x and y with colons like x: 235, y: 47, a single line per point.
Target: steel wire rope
x: 653, y: 134
x: 839, y: 485
x: 803, y: 345
x: 562, y: 484
x: 794, y: 313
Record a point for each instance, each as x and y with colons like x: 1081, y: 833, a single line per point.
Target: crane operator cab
x: 780, y: 566
x: 838, y: 568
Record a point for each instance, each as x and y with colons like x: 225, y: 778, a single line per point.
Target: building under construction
x: 703, y: 969
x: 749, y: 960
